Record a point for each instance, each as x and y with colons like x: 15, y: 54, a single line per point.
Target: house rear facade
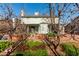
x: 38, y: 23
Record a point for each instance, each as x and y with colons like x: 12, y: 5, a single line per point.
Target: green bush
x: 4, y: 45
x: 78, y: 51
x: 70, y: 49
x: 31, y: 43
x: 38, y: 52
x: 19, y: 53
x: 51, y: 34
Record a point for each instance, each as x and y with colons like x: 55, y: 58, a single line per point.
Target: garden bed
x: 31, y: 48
x: 70, y: 49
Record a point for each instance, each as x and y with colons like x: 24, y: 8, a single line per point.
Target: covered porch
x: 40, y: 28
x: 32, y: 28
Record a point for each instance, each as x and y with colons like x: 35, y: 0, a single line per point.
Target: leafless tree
x: 65, y: 12
x: 8, y: 14
x: 77, y: 4
x: 7, y: 11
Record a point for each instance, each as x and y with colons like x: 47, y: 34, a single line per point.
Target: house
x: 38, y: 23
x: 33, y: 24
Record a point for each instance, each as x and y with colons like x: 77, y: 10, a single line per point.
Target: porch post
x: 27, y: 29
x: 13, y: 19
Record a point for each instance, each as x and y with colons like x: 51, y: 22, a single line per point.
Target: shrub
x: 51, y: 34
x: 4, y: 45
x: 70, y: 49
x: 38, y: 52
x: 32, y: 52
x: 41, y: 52
x: 78, y: 51
x: 19, y: 53
x: 31, y: 43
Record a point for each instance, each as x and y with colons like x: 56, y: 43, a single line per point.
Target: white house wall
x: 31, y: 20
x: 43, y: 23
x: 37, y: 20
x: 43, y: 28
x: 56, y: 20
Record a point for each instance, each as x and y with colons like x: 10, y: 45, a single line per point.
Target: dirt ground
x: 68, y: 38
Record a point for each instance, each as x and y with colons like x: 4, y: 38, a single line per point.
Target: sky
x: 30, y: 8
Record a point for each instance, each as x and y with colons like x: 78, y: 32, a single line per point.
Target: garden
x: 36, y: 48
x: 31, y: 48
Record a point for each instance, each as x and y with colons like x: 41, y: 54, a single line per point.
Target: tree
x: 77, y: 4
x: 8, y: 14
x: 65, y: 12
x: 7, y: 11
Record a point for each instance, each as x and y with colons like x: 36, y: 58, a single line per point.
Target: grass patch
x: 70, y: 49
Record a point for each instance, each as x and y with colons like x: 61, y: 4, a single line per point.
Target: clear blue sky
x: 30, y: 8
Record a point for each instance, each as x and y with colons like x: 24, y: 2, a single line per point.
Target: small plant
x: 30, y: 52
x: 34, y: 49
x: 31, y: 43
x: 19, y: 54
x: 70, y: 49
x: 51, y: 34
x: 4, y: 45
